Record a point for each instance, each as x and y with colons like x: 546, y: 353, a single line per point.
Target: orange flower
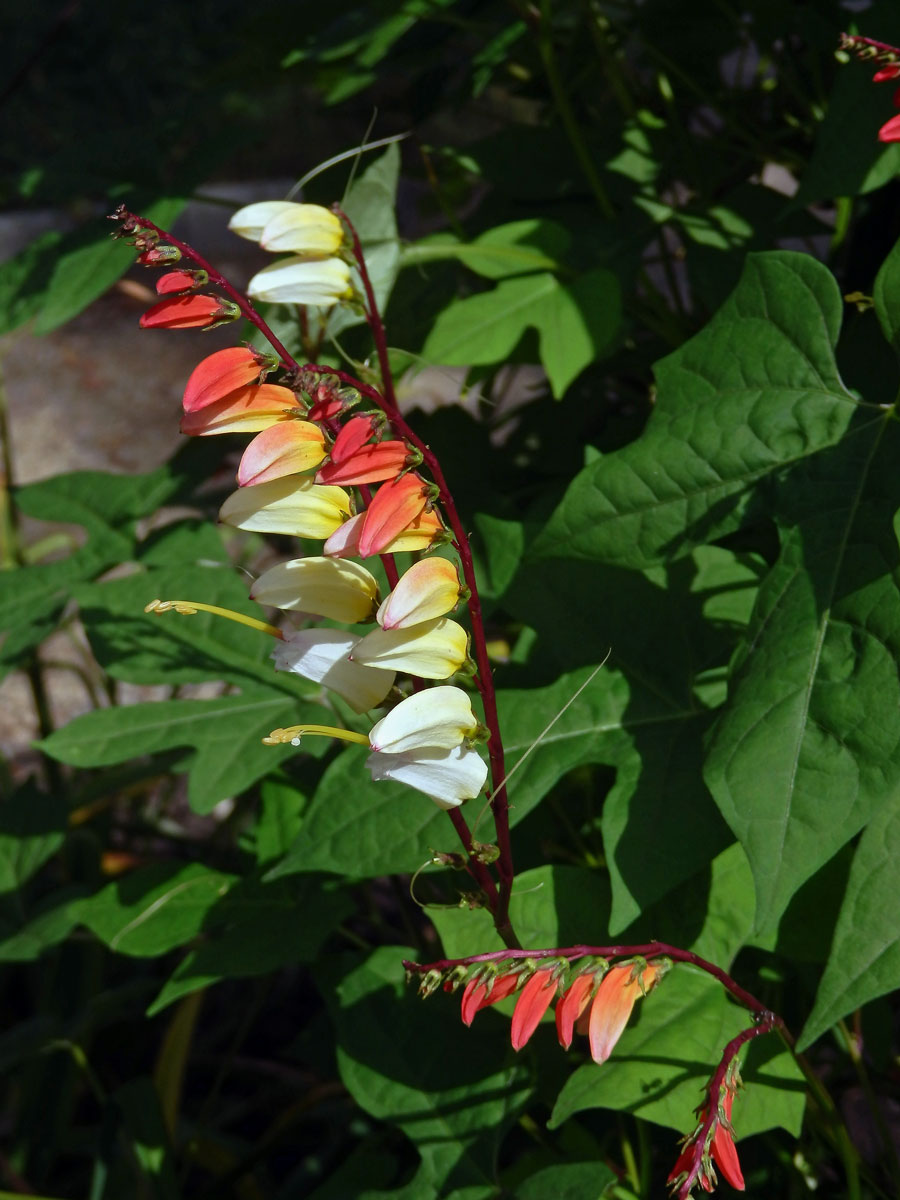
x: 222, y: 373
x: 395, y: 506
x: 189, y: 312
x: 247, y: 410
x: 285, y: 448
x: 354, y: 460
x: 615, y: 998
x: 533, y: 1002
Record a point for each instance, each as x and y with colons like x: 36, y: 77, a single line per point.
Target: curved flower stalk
x: 595, y: 989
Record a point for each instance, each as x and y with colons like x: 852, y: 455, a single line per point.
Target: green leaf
x: 567, y: 1181
x: 27, y: 935
x: 806, y: 749
x: 32, y: 828
x: 253, y: 930
x: 516, y: 248
x: 24, y: 279
x: 155, y: 908
x: 171, y: 648
x: 664, y: 1058
x: 886, y: 294
x: 865, y: 955
x: 225, y: 732
x: 452, y: 1091
x: 576, y: 323
x: 757, y: 390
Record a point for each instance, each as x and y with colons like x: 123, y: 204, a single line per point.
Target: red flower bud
x: 159, y: 255
x: 189, y: 312
x: 180, y: 281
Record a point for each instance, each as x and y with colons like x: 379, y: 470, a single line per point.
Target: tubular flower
x: 418, y: 743
x: 430, y: 588
x: 296, y: 280
x: 189, y: 312
x: 285, y: 448
x: 222, y: 373
x: 533, y: 1002
x: 307, y: 230
x: 614, y: 1000
x: 292, y: 506
x: 304, y: 229
x: 424, y: 531
x: 432, y: 650
x: 322, y: 587
x: 718, y: 1148
x: 439, y: 717
x: 354, y: 460
x: 573, y: 1003
x: 246, y: 410
x: 180, y: 281
x: 394, y: 507
x: 321, y: 655
x: 482, y: 991
x: 448, y: 777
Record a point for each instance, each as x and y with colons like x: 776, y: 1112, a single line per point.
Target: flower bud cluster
x: 711, y: 1144
x: 887, y: 59
x: 595, y: 997
x: 308, y: 472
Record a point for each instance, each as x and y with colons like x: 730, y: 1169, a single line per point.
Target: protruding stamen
x: 190, y: 608
x: 292, y: 735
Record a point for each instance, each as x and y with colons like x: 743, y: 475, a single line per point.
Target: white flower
x: 438, y: 717
x: 297, y: 280
x: 323, y: 587
x: 448, y: 776
x: 321, y: 655
x: 433, y: 649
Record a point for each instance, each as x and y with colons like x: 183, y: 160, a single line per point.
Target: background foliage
x: 662, y: 206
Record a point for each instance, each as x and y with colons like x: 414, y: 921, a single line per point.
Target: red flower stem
x: 388, y: 404
x: 766, y: 1023
x: 484, y: 678
x: 476, y: 869
x: 646, y: 950
x: 217, y: 280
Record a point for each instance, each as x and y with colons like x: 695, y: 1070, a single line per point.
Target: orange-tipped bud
x: 480, y: 993
x: 421, y: 533
x: 180, y: 281
x: 615, y: 998
x: 189, y: 312
x: 247, y: 410
x: 395, y: 506
x: 533, y: 1002
x: 221, y: 373
x: 286, y: 448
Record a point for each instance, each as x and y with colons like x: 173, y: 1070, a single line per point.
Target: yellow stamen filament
x: 190, y: 608
x: 293, y: 734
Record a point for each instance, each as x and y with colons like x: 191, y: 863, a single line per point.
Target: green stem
x: 890, y: 1150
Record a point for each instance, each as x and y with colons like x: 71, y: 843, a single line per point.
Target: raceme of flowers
x: 308, y: 471
x: 887, y: 59
x: 596, y: 998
